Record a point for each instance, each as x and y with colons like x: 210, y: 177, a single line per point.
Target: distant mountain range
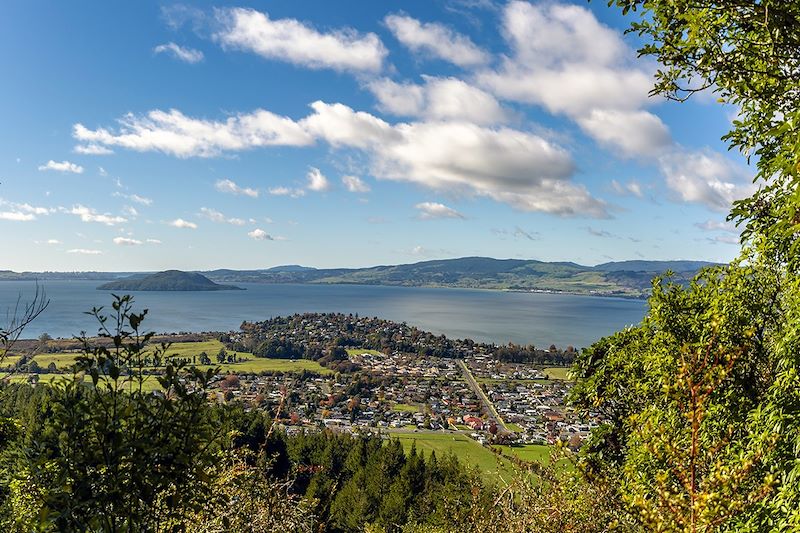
x: 621, y: 278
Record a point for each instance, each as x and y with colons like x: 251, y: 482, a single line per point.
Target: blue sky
x: 144, y: 136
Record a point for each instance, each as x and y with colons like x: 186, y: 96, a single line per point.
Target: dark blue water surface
x: 482, y: 315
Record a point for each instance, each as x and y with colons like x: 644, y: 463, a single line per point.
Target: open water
x: 482, y: 315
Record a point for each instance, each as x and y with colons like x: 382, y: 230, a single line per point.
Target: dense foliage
x: 702, y: 398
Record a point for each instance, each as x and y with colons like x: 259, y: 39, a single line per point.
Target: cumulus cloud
x: 516, y: 167
x: 21, y: 212
x: 63, y: 166
x: 174, y: 133
x: 182, y: 53
x: 260, y: 235
x: 17, y: 216
x: 216, y: 216
x: 230, y: 187
x: 355, y: 184
x: 125, y: 241
x: 511, y: 166
x: 436, y: 40
x: 430, y: 210
x: 317, y: 180
x: 184, y: 224
x: 296, y: 42
x: 568, y: 62
x: 438, y: 99
x: 84, y: 251
x: 705, y: 177
x: 53, y: 241
x: 92, y: 149
x: 632, y: 133
x: 88, y: 214
x: 153, y: 241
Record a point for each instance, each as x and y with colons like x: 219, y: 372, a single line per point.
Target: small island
x: 169, y: 280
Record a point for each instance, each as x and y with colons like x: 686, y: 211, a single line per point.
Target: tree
x: 701, y: 400
x: 112, y: 456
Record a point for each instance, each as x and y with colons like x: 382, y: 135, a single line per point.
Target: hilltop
x: 625, y: 278
x: 629, y: 279
x: 169, y: 280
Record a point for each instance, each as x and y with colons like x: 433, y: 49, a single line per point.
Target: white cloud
x: 140, y: 199
x: 260, y: 235
x: 185, y: 224
x: 317, y: 180
x: 187, y: 55
x: 436, y: 40
x: 633, y: 133
x: 93, y: 149
x: 23, y: 212
x: 124, y: 241
x: 53, y: 241
x: 230, y: 187
x: 298, y: 43
x: 216, y: 216
x: 88, y: 214
x: 430, y: 210
x: 17, y: 216
x: 174, y: 133
x: 705, y: 177
x: 286, y: 191
x: 130, y: 211
x: 516, y: 167
x: 153, y: 241
x: 133, y: 197
x: 63, y: 166
x: 340, y: 125
x: 438, y: 99
x: 568, y: 62
x: 84, y: 251
x: 355, y: 184
x: 630, y: 188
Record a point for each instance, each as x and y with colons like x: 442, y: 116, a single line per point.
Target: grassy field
x: 464, y: 448
x: 558, y: 372
x: 528, y: 452
x: 514, y: 427
x: 405, y: 407
x: 186, y: 350
x: 359, y: 351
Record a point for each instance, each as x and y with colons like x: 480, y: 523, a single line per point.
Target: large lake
x: 482, y: 315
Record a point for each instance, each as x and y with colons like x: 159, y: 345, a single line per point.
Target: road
x: 493, y: 414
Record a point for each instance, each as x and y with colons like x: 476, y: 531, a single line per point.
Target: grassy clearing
x: 532, y: 453
x: 405, y: 408
x: 465, y: 449
x: 247, y: 362
x: 514, y: 427
x: 558, y: 372
x: 359, y: 351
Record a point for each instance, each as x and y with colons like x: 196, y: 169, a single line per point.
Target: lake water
x: 482, y: 315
